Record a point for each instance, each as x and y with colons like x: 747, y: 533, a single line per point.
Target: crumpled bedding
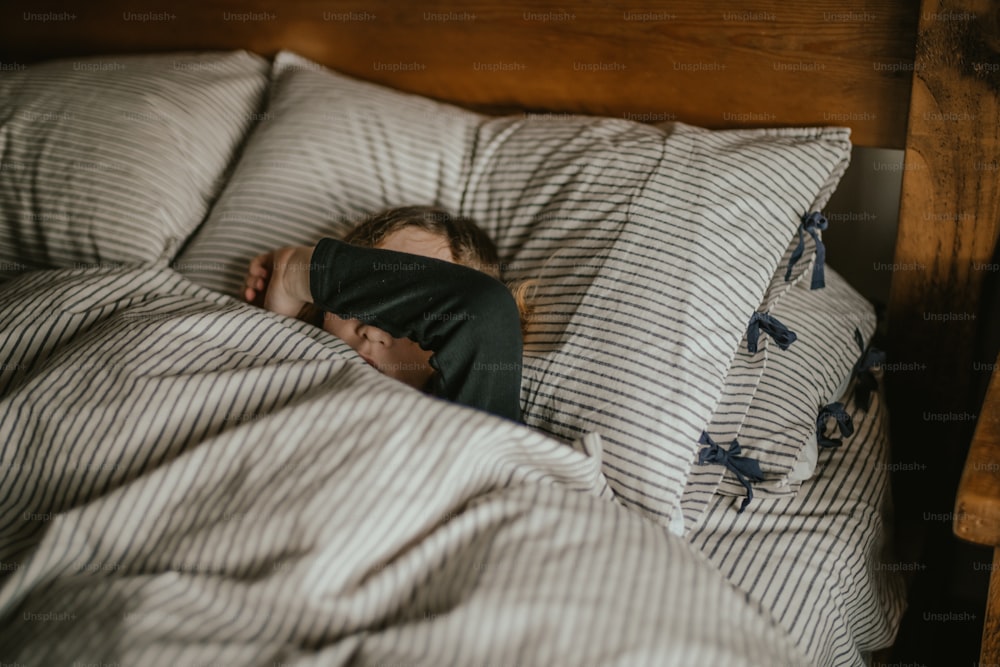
x: 188, y: 480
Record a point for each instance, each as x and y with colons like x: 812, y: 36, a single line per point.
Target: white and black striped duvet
x: 187, y: 480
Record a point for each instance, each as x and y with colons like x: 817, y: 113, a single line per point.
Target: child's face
x: 399, y: 358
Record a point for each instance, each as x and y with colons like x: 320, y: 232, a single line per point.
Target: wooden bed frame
x: 925, y: 79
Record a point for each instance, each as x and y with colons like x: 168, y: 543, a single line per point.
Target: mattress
x: 819, y: 559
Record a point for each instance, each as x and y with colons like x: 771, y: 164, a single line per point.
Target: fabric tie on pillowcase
x: 741, y: 466
x: 844, y: 424
x: 810, y: 223
x: 871, y: 358
x: 781, y: 334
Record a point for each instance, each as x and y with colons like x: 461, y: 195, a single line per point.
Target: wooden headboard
x: 765, y: 63
x: 921, y: 78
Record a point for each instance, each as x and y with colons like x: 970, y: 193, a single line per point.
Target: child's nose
x: 375, y: 335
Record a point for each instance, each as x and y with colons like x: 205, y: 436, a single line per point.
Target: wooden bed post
x: 977, y: 509
x: 948, y: 226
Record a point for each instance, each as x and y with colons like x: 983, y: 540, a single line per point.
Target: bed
x: 191, y: 480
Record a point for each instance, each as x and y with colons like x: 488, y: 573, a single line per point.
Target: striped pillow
x: 817, y: 560
x: 329, y: 151
x: 652, y: 249
x: 772, y: 398
x: 117, y: 160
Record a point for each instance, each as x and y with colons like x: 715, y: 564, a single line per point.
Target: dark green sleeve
x: 468, y: 319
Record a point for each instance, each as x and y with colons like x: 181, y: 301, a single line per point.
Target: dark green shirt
x: 466, y: 318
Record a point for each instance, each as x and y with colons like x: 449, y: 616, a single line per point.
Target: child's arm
x: 468, y: 319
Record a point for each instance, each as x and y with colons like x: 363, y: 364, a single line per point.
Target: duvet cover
x: 188, y: 480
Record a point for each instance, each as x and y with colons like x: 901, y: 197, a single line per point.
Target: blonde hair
x: 470, y: 246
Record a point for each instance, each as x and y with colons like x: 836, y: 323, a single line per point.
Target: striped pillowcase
x: 772, y: 398
x: 816, y: 559
x: 117, y: 160
x: 652, y: 249
x: 329, y: 151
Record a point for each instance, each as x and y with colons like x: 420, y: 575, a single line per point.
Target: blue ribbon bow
x: 781, y: 334
x: 811, y: 222
x: 844, y: 424
x: 871, y: 358
x: 741, y: 466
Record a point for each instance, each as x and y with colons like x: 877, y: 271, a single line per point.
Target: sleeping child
x: 416, y: 293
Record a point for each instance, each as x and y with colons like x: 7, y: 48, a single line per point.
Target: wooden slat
x: 990, y: 653
x: 948, y: 229
x: 714, y: 63
x: 977, y: 506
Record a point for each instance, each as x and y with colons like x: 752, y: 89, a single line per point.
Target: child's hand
x: 255, y: 282
x: 279, y: 280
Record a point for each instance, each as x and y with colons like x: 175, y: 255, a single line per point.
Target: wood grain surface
x: 977, y: 506
x: 715, y: 64
x: 990, y: 654
x: 948, y: 229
